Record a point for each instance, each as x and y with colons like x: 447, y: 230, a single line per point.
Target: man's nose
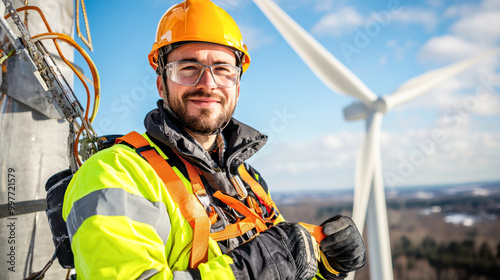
x: 207, y: 80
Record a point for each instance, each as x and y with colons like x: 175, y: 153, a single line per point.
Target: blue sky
x: 311, y: 145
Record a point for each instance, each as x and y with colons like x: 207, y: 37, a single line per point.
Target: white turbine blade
x: 327, y: 68
x: 421, y: 84
x: 365, y: 167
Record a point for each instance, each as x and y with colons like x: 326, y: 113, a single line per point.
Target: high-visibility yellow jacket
x: 123, y: 223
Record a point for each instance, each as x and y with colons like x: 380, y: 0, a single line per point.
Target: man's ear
x: 159, y: 85
x: 237, y: 92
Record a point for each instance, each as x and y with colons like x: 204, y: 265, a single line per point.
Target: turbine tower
x: 369, y: 195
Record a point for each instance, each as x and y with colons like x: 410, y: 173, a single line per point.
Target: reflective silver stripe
x: 147, y: 274
x: 118, y: 202
x: 184, y: 275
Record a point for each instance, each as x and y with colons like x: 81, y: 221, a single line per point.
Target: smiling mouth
x: 204, y: 102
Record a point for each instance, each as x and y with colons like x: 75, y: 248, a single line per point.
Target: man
x: 132, y: 216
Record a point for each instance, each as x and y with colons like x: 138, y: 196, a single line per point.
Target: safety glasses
x: 189, y: 73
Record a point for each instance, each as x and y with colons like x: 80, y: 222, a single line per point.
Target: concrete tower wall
x: 33, y: 143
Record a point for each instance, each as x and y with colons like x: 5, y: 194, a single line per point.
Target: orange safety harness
x: 193, y: 210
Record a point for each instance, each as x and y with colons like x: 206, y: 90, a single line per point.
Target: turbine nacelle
x: 359, y: 111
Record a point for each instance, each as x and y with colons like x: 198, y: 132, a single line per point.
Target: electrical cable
x: 70, y: 41
x: 86, y: 121
x: 88, y: 42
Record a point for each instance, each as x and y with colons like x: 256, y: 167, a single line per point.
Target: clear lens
x: 189, y: 73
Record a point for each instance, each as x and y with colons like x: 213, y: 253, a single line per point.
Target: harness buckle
x: 274, y: 214
x: 239, y: 187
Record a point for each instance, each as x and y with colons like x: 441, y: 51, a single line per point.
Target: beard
x: 204, y: 122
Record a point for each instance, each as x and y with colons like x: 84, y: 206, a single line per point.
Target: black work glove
x: 285, y: 251
x: 343, y: 247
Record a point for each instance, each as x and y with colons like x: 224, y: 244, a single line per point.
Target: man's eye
x: 189, y: 67
x: 221, y: 68
x: 224, y: 69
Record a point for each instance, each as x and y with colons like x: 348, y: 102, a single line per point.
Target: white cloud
x: 434, y: 3
x: 470, y: 92
x: 448, y: 48
x: 324, y: 5
x: 332, y: 142
x: 457, y: 155
x: 392, y: 43
x: 459, y: 10
x: 347, y: 19
x: 490, y: 108
x: 491, y: 5
x: 322, y: 163
x: 483, y: 102
x: 343, y: 20
x: 382, y: 60
x: 426, y: 18
x: 482, y: 27
x: 409, y: 157
x: 476, y: 29
x: 400, y: 50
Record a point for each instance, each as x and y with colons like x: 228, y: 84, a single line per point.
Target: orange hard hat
x: 198, y: 21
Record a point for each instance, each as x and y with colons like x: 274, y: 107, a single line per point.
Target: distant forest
x: 453, y: 260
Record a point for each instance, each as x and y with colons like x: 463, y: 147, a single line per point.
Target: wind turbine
x: 368, y: 184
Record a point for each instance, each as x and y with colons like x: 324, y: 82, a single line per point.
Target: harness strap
x: 194, y: 213
x: 315, y: 231
x: 254, y: 205
x: 233, y: 230
x: 194, y: 177
x: 259, y: 192
x: 260, y: 223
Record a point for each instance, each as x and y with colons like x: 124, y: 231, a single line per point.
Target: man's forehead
x: 194, y: 51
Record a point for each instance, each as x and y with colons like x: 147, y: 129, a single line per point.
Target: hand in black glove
x: 343, y: 247
x: 285, y: 251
